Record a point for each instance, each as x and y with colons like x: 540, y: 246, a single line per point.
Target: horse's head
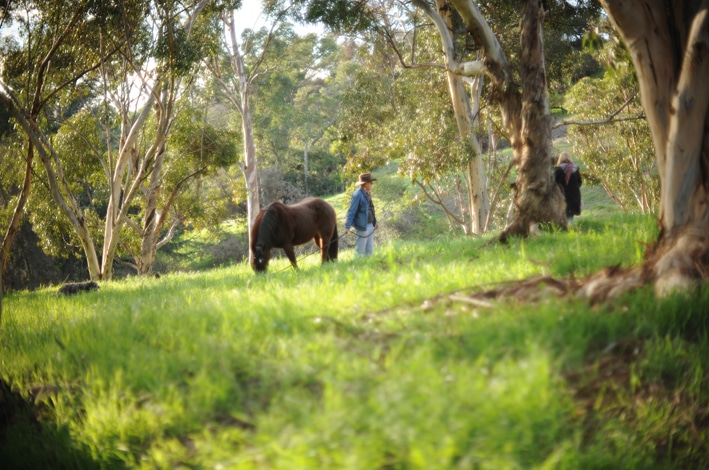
x: 259, y: 260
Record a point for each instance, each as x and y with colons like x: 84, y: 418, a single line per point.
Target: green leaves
x: 341, y: 15
x: 619, y: 154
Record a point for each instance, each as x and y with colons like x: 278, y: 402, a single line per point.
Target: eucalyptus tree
x: 668, y: 43
x: 46, y: 68
x: 133, y: 55
x: 443, y: 18
x: 179, y: 41
x: 401, y: 35
x: 316, y: 102
x: 236, y: 72
x: 297, y: 103
x: 409, y: 119
x: 260, y: 73
x: 524, y: 106
x: 195, y: 151
x: 521, y: 94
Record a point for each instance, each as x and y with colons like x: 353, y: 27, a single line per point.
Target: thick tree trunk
x: 669, y: 45
x: 537, y: 197
x: 525, y: 115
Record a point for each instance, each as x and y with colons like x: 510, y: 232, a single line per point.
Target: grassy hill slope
x: 384, y: 362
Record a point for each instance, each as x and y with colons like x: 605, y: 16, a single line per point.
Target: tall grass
x: 364, y: 364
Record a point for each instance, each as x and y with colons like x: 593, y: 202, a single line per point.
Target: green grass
x: 363, y: 364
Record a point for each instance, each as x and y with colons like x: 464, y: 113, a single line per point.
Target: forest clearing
x: 537, y: 297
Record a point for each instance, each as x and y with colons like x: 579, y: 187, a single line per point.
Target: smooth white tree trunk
x: 475, y: 170
x: 241, y: 99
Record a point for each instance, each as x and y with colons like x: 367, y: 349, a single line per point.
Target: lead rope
x: 314, y: 252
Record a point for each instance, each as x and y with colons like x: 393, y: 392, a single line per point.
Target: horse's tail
x: 332, y: 249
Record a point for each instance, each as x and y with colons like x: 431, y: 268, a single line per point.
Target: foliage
x: 341, y: 15
x: 412, y: 123
x: 72, y: 84
x: 293, y: 103
x: 361, y: 140
x: 565, y: 24
x: 620, y: 155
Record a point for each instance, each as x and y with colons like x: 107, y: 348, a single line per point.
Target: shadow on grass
x: 27, y: 443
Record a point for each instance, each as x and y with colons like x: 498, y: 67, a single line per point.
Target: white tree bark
x: 240, y: 97
x: 479, y: 201
x: 122, y: 172
x: 249, y: 167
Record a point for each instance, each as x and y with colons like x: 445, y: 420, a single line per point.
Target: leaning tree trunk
x: 669, y: 45
x: 537, y: 198
x: 16, y: 218
x: 56, y: 182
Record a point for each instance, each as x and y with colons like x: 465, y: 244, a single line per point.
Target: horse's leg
x: 329, y: 244
x: 320, y: 242
x: 290, y: 253
x: 332, y: 247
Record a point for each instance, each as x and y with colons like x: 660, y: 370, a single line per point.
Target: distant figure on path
x: 567, y: 176
x: 361, y: 215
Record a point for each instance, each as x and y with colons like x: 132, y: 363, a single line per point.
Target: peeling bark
x: 525, y: 114
x: 669, y: 45
x: 537, y: 197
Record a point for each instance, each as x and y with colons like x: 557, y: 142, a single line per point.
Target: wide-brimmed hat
x: 365, y: 178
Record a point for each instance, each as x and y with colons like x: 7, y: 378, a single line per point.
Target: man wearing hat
x: 361, y: 216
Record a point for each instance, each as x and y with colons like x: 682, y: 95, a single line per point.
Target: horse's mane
x: 268, y: 226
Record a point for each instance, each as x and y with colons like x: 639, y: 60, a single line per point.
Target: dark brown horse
x: 282, y: 226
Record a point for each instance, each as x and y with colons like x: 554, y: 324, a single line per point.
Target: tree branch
x: 607, y: 120
x: 439, y: 202
x: 402, y: 61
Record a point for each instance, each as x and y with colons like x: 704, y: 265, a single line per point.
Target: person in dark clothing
x: 361, y: 215
x: 568, y: 177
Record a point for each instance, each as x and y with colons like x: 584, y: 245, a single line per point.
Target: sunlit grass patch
x: 371, y: 362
